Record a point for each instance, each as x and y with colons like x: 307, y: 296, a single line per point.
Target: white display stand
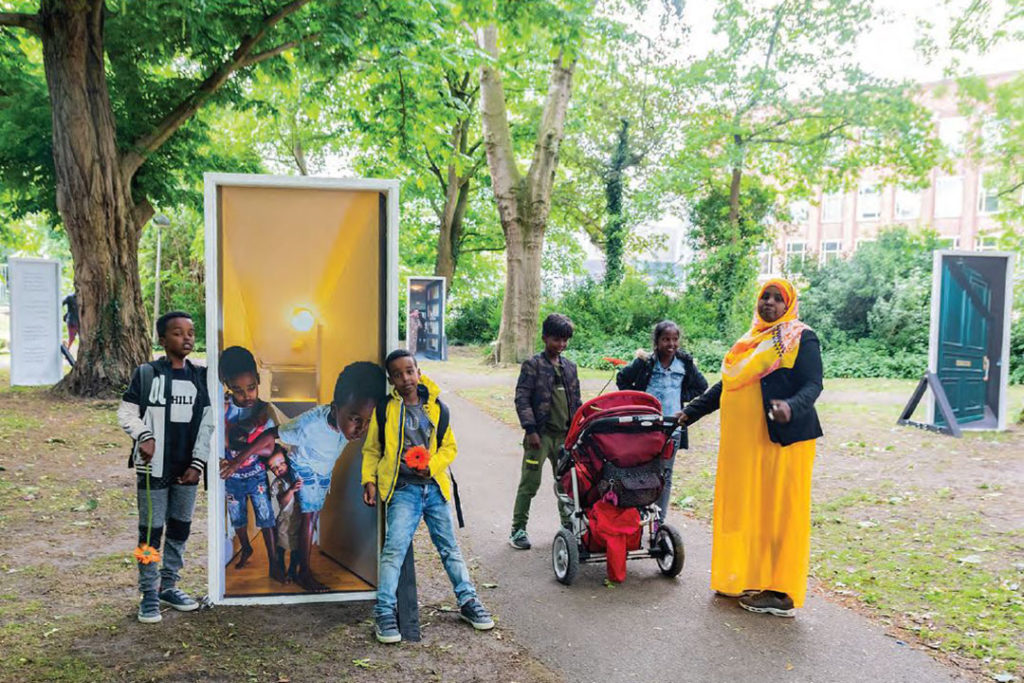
x: 34, y: 285
x: 284, y: 262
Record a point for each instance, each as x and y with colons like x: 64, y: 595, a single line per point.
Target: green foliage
x: 476, y: 321
x: 727, y: 269
x: 1017, y: 352
x: 873, y: 358
x: 881, y: 293
x: 182, y: 268
x: 616, y: 321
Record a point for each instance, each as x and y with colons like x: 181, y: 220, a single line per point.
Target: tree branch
x: 29, y: 22
x: 279, y: 50
x: 150, y: 142
x: 494, y: 114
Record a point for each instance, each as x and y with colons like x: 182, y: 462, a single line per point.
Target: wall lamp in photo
x: 303, y: 320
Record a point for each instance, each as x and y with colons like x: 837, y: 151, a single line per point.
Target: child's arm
x: 202, y: 448
x: 371, y: 458
x: 261, y: 446
x: 524, y: 393
x: 285, y: 497
x: 445, y: 455
x: 131, y: 423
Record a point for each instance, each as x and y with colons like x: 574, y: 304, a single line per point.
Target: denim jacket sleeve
x: 694, y: 383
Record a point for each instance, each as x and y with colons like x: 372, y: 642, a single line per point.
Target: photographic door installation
x: 301, y: 282
x: 424, y: 328
x: 970, y: 328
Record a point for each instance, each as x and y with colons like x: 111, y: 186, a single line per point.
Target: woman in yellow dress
x: 762, y: 512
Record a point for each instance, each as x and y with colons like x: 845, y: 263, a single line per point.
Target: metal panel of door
x: 963, y: 366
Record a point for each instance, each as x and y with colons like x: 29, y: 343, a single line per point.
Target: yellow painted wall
x: 289, y: 248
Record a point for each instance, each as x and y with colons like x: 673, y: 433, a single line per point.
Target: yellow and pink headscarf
x: 765, y: 347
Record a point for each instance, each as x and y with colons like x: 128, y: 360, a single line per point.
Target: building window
x: 795, y: 252
x: 951, y: 132
x: 766, y: 256
x: 799, y: 212
x: 988, y: 197
x: 832, y: 208
x: 949, y: 197
x: 831, y: 250
x: 908, y: 204
x: 986, y: 243
x: 869, y: 203
x: 948, y: 243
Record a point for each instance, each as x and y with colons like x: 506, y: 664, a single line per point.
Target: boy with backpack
x: 166, y: 411
x: 406, y: 455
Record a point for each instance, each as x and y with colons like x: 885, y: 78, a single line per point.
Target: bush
x: 1017, y: 353
x: 868, y: 358
x: 617, y: 321
x: 476, y: 321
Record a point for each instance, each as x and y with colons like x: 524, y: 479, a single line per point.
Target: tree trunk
x: 734, y: 190
x: 523, y: 202
x: 615, y: 229
x: 94, y: 201
x: 450, y: 235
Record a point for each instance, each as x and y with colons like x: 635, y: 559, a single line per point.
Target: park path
x: 649, y: 628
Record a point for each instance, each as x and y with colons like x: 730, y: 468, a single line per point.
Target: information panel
x: 35, y: 321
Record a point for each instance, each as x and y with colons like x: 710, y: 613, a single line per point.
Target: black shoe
x: 519, y: 540
x: 769, y: 602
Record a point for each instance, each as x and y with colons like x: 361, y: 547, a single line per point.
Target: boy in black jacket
x: 166, y: 411
x: 547, y: 396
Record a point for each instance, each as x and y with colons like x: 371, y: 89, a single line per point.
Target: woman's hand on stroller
x: 681, y: 418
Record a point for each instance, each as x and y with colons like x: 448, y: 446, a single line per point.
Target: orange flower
x: 147, y: 554
x: 417, y: 458
x: 614, y: 361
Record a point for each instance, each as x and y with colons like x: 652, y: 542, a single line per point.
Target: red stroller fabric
x: 618, y: 530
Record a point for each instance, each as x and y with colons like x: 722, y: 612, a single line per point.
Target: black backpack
x: 442, y: 429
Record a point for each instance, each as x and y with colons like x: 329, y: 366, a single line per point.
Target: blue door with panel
x: 963, y: 364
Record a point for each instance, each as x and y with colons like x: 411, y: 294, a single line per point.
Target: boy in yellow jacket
x: 412, y: 490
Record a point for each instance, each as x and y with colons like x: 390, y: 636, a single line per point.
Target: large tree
x: 523, y: 199
x: 124, y: 82
x: 784, y: 99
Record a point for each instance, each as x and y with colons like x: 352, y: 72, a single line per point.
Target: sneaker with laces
x: 385, y: 627
x: 473, y: 612
x: 769, y: 602
x: 178, y: 599
x: 519, y: 540
x: 149, y: 608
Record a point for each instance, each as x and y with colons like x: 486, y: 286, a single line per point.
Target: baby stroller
x: 610, y: 476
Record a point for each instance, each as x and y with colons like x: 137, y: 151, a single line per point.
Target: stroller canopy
x: 610, y: 405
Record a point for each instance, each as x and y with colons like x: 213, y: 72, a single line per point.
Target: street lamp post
x: 160, y: 221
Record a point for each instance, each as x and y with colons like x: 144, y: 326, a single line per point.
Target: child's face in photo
x: 244, y: 388
x: 668, y: 343
x: 278, y: 464
x: 404, y: 374
x: 353, y: 418
x: 179, y: 337
x: 554, y: 346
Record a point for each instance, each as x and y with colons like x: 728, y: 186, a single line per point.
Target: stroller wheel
x: 565, y: 556
x: 668, y: 550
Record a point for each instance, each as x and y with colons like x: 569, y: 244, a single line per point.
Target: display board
x: 35, y: 321
x: 302, y: 281
x: 424, y: 327
x: 969, y: 347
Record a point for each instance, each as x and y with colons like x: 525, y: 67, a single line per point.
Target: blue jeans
x: 409, y: 504
x: 254, y: 488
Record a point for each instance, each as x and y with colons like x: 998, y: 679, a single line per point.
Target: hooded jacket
x: 381, y: 467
